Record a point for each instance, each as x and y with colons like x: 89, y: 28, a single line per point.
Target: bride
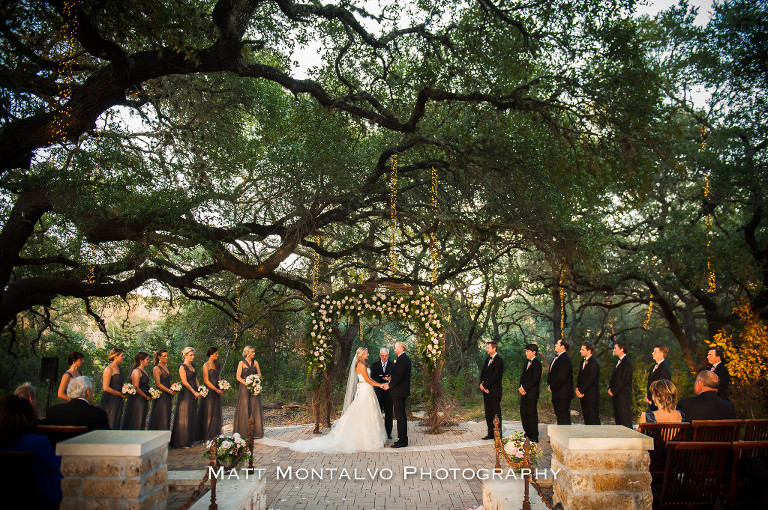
x: 360, y: 427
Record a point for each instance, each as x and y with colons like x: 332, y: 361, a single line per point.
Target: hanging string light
x: 711, y: 282
x: 433, y: 235
x: 650, y: 310
x: 316, y: 270
x: 62, y: 117
x: 562, y: 305
x: 393, y: 215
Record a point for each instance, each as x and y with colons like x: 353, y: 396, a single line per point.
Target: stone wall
x: 601, y: 467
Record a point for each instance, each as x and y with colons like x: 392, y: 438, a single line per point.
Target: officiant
x: 381, y: 371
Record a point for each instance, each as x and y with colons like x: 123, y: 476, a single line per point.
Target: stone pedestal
x: 601, y: 467
x: 115, y: 469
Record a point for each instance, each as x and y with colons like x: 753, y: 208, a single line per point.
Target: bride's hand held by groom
x: 384, y: 386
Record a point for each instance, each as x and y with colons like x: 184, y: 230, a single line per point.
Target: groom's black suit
x: 400, y: 389
x: 385, y: 397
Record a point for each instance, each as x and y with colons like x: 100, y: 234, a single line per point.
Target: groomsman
x: 659, y: 371
x: 400, y: 389
x: 490, y: 385
x: 588, y: 385
x: 620, y: 387
x: 716, y: 365
x: 529, y: 393
x: 560, y: 382
x: 381, y: 371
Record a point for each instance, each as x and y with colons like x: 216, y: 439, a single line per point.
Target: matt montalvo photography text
x: 382, y: 474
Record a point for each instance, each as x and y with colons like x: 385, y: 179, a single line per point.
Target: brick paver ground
x: 457, y: 449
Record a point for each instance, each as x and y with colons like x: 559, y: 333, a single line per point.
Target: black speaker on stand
x: 49, y: 372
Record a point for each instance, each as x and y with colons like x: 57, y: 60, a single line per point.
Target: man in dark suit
x: 620, y: 387
x: 560, y: 382
x: 659, y: 371
x: 381, y: 371
x: 706, y: 405
x: 588, y: 385
x: 715, y: 358
x: 490, y: 385
x: 529, y: 393
x: 78, y: 411
x: 400, y: 389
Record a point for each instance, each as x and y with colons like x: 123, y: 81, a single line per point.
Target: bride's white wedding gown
x: 359, y: 429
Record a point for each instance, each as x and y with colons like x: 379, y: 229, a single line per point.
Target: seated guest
x: 706, y: 405
x: 17, y: 426
x: 78, y: 411
x: 29, y: 392
x: 664, y: 394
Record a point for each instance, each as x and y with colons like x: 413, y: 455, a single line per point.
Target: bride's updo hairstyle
x: 358, y: 356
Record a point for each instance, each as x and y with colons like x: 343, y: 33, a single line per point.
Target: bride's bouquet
x: 154, y: 393
x: 176, y: 387
x: 224, y: 385
x: 253, y: 383
x: 127, y: 390
x: 203, y: 391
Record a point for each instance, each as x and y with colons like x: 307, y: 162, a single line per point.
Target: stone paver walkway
x: 412, y: 472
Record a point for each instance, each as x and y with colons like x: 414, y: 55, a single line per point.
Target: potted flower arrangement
x: 230, y: 450
x: 253, y: 382
x: 514, y: 446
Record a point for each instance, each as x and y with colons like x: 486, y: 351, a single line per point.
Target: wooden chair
x: 661, y: 433
x: 717, y: 430
x: 749, y: 476
x: 755, y: 430
x: 56, y: 433
x: 693, y: 474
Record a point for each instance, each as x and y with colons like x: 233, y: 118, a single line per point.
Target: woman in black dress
x: 160, y: 418
x: 75, y: 360
x: 183, y: 433
x: 248, y: 404
x: 135, y: 416
x: 209, y: 414
x: 112, y: 386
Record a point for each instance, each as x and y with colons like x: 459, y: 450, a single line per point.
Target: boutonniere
x: 490, y: 361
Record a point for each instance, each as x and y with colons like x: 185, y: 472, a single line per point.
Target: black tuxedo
x: 706, y: 406
x: 560, y: 381
x: 588, y: 383
x: 77, y: 412
x: 384, y: 396
x: 662, y: 372
x: 621, y: 387
x: 400, y: 389
x: 529, y: 381
x: 490, y: 378
x: 725, y: 380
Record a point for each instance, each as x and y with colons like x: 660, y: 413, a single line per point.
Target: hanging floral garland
x: 413, y: 307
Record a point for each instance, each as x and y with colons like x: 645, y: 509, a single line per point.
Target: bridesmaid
x: 248, y: 404
x: 135, y: 416
x: 75, y: 361
x: 160, y: 419
x: 111, y: 386
x: 209, y: 414
x: 183, y: 433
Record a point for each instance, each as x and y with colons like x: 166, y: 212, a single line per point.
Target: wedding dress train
x: 359, y: 429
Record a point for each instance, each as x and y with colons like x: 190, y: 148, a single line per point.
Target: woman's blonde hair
x: 114, y: 353
x: 664, y: 393
x: 358, y: 353
x: 186, y: 351
x: 247, y: 349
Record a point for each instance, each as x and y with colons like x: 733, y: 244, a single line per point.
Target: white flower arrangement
x: 154, y: 393
x: 176, y: 386
x: 224, y: 385
x: 230, y: 450
x: 253, y: 383
x: 203, y: 391
x: 514, y: 445
x: 128, y: 389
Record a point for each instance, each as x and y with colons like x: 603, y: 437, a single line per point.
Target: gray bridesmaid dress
x: 248, y: 405
x: 183, y: 433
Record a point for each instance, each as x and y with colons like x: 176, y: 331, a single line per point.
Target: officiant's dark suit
x: 379, y: 370
x: 588, y: 385
x: 560, y: 383
x: 77, y: 412
x: 399, y: 390
x: 490, y: 379
x: 529, y: 383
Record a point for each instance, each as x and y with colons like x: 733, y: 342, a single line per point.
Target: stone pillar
x: 601, y: 467
x: 115, y: 469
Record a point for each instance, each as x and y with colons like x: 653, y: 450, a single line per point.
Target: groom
x: 400, y: 389
x: 381, y: 371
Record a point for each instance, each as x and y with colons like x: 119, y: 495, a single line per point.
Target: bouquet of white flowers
x: 128, y: 389
x: 203, y: 391
x: 176, y: 386
x: 230, y: 450
x: 253, y: 383
x: 514, y: 445
x: 154, y: 393
x: 224, y: 385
